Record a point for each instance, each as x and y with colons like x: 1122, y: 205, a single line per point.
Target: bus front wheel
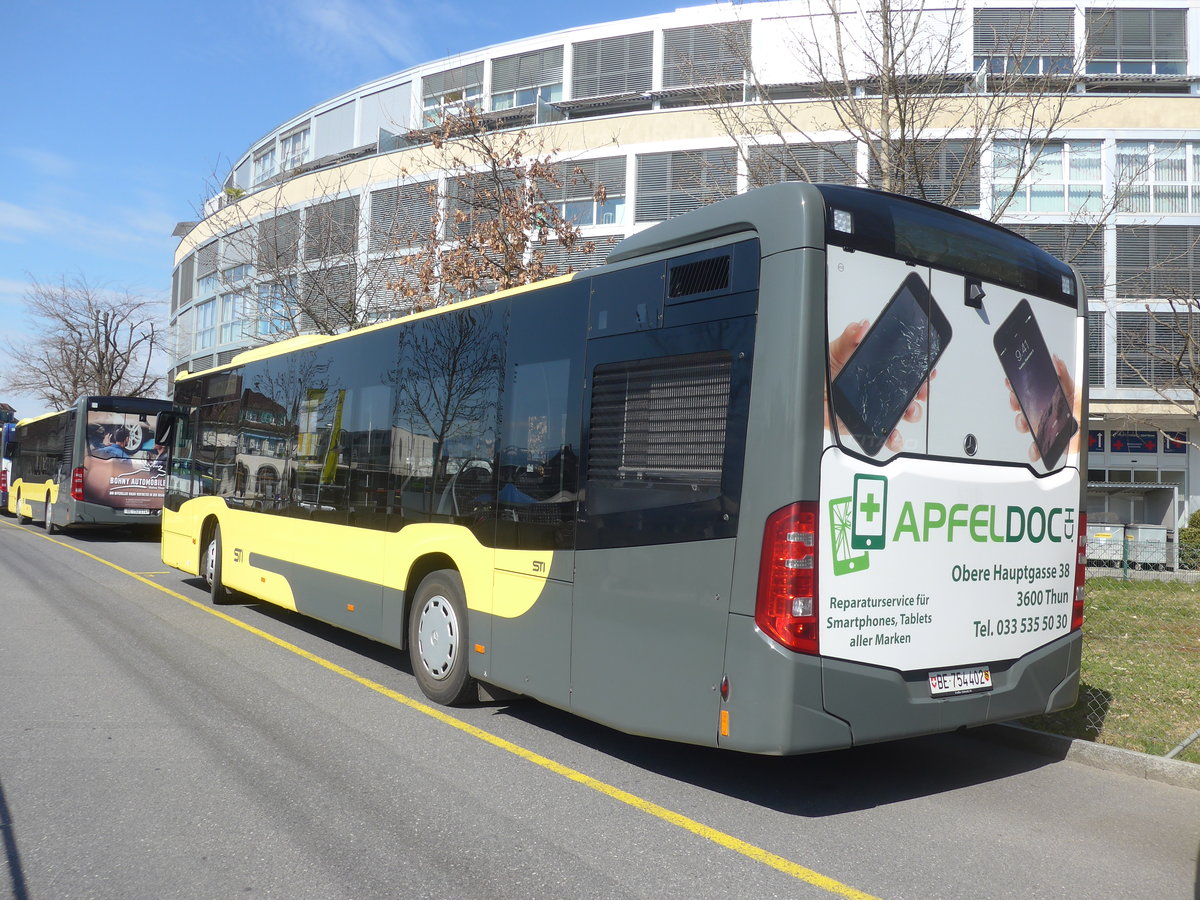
x: 437, y: 639
x: 212, y: 570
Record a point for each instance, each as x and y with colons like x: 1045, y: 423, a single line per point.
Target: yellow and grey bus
x: 796, y: 471
x: 93, y: 464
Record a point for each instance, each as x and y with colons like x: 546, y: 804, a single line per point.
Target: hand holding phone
x: 880, y: 375
x: 1040, y: 385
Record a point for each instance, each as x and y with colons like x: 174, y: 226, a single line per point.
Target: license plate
x: 138, y: 512
x: 960, y: 681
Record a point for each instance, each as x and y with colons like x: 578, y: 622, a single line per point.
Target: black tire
x: 22, y: 519
x: 210, y: 570
x: 438, y: 644
x: 50, y: 527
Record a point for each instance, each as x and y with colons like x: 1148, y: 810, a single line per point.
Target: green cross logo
x: 869, y: 529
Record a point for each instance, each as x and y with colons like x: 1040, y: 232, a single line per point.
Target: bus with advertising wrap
x: 796, y: 471
x: 93, y: 464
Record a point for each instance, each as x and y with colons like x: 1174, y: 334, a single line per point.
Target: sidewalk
x: 1100, y: 756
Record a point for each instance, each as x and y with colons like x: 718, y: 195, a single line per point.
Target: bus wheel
x: 22, y: 519
x: 50, y: 527
x: 437, y: 639
x: 212, y: 570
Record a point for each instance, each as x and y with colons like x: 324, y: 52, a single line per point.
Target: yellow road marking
x: 779, y: 863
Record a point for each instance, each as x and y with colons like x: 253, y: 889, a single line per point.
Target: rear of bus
x: 909, y: 553
x: 119, y: 476
x: 96, y: 464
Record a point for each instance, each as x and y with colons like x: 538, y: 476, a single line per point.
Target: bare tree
x: 473, y: 212
x: 85, y: 341
x: 491, y: 227
x: 891, y: 77
x: 298, y: 271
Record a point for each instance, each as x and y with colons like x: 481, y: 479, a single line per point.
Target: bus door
x: 537, y: 487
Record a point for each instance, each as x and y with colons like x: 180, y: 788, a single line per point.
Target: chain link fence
x: 1140, y: 685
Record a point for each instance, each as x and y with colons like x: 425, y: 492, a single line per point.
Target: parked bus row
x: 797, y: 471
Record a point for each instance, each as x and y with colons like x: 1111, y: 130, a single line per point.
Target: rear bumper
x: 827, y: 704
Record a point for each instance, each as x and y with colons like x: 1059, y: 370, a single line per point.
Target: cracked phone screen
x: 886, y: 370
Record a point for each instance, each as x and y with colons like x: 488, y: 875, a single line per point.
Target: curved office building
x: 668, y: 112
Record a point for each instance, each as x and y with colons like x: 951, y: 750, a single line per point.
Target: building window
x: 830, y: 163
x: 1026, y: 41
x: 578, y: 184
x: 329, y: 299
x: 1157, y: 177
x: 1136, y: 41
x: 273, y: 309
x: 670, y: 184
x: 451, y: 92
x: 206, y: 320
x: 206, y: 259
x: 1157, y: 350
x: 938, y: 171
x: 1095, y: 348
x: 527, y: 78
x: 614, y: 65
x: 1059, y: 176
x: 231, y: 317
x: 1158, y: 261
x: 187, y: 279
x: 331, y: 228
x: 480, y: 197
x: 278, y: 241
x: 293, y: 149
x: 706, y: 54
x: 264, y: 163
x: 401, y: 217
x: 237, y: 273
x: 1080, y: 245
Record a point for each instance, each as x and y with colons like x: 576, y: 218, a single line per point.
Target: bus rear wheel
x: 211, y: 570
x: 22, y: 519
x: 437, y: 639
x: 47, y: 522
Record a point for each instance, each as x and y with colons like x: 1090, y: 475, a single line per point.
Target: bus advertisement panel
x: 123, y: 468
x: 925, y: 387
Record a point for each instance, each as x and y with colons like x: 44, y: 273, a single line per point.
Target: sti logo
x: 858, y: 523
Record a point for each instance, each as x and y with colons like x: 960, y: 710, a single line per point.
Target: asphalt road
x: 151, y: 746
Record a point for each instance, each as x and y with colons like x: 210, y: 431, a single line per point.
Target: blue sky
x: 118, y: 116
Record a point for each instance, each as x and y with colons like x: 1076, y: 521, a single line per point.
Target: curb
x: 1099, y: 756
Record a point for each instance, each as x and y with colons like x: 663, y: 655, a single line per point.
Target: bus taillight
x: 1080, y: 574
x: 3, y: 479
x: 786, y: 608
x: 77, y: 484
